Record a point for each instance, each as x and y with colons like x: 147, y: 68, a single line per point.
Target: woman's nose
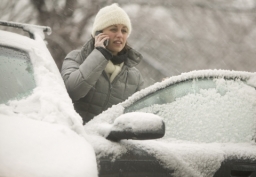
x: 119, y: 34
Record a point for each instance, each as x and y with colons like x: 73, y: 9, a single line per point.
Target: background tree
x: 68, y: 19
x: 174, y: 36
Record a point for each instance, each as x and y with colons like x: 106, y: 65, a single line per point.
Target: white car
x: 40, y: 133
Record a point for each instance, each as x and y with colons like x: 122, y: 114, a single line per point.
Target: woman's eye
x: 124, y: 31
x: 113, y: 29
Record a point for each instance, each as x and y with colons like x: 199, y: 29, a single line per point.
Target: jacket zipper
x: 110, y: 86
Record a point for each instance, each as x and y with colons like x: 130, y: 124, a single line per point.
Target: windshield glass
x: 204, y: 110
x: 16, y: 74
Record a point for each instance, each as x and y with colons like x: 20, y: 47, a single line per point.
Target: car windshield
x: 16, y: 74
x: 204, y: 110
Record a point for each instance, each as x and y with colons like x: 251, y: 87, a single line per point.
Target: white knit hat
x: 111, y: 15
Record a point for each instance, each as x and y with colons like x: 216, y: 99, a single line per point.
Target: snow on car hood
x: 31, y: 148
x: 187, y: 158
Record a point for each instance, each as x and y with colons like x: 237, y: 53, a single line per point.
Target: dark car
x: 209, y: 120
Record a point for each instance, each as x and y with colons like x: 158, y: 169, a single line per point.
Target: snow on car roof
x: 186, y: 76
x: 16, y: 40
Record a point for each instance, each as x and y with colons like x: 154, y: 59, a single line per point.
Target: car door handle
x: 243, y: 170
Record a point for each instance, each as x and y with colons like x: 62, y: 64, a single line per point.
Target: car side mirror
x: 137, y: 126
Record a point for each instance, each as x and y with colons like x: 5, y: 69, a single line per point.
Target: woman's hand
x: 99, y: 40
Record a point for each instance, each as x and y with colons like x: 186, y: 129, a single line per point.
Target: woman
x: 101, y: 75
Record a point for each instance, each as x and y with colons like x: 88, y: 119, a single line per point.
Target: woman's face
x: 118, y: 35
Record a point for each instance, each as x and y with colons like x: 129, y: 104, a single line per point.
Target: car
x: 40, y: 133
x: 200, y: 124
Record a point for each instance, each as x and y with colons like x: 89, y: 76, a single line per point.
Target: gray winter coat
x: 88, y: 84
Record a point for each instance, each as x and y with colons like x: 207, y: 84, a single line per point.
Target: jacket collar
x: 134, y: 57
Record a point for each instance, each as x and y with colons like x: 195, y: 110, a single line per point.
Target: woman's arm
x: 80, y: 74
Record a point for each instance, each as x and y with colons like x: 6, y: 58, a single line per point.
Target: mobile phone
x: 105, y: 42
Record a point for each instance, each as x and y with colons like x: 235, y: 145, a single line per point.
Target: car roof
x: 197, y: 74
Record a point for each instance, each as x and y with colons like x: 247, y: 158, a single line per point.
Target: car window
x: 204, y: 110
x: 16, y: 74
x: 171, y: 93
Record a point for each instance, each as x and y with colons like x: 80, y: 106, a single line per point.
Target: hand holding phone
x: 105, y: 42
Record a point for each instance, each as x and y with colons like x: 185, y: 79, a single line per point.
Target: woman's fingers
x: 99, y: 40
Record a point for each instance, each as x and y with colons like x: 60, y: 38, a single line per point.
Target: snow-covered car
x: 210, y: 128
x: 40, y: 133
